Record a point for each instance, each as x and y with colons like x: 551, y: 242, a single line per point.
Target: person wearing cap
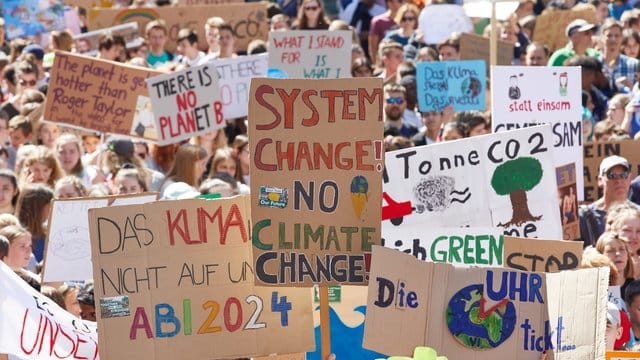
x: 35, y: 53
x: 620, y: 69
x: 579, y: 32
x: 614, y: 328
x: 614, y: 178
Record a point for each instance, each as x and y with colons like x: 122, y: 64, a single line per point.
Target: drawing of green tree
x: 516, y: 177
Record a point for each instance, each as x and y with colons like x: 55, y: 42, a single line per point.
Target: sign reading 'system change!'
x: 317, y: 159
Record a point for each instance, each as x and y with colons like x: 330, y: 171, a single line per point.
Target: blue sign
x: 32, y: 17
x: 462, y: 84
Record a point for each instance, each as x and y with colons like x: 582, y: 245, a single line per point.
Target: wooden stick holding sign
x: 325, y: 330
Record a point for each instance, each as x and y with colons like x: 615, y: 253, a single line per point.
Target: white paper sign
x: 234, y: 79
x: 68, y: 250
x: 186, y: 103
x: 505, y: 180
x: 519, y: 100
x: 438, y: 22
x: 318, y: 54
x: 462, y: 246
x: 32, y: 326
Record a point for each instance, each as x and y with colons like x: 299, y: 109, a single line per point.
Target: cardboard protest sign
x: 347, y: 317
x: 88, y: 43
x: 484, y: 313
x: 463, y: 246
x: 249, y: 20
x: 438, y: 22
x: 186, y: 103
x: 234, y: 79
x: 26, y: 18
x: 504, y: 179
x: 174, y: 279
x: 550, y: 256
x: 567, y: 191
x: 482, y: 9
x: 67, y: 248
x: 518, y: 100
x: 318, y: 54
x: 32, y: 326
x: 474, y: 47
x: 97, y: 95
x: 594, y: 153
x: 317, y: 155
x: 552, y: 24
x: 461, y: 84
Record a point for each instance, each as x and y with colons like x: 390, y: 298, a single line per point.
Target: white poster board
x: 519, y: 99
x: 68, y: 250
x: 318, y: 54
x: 29, y: 321
x: 505, y: 179
x: 186, y: 103
x: 234, y: 78
x: 438, y: 22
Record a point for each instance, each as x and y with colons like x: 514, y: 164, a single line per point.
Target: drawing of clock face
x: 475, y: 326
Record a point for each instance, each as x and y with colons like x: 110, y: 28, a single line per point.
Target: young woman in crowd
x: 224, y: 162
x: 615, y: 248
x: 69, y: 187
x: 188, y: 167
x: 241, y: 152
x: 624, y: 219
x: 20, y: 246
x: 129, y: 181
x: 32, y: 211
x: 42, y: 167
x: 9, y: 191
x: 407, y: 20
x: 311, y: 16
x: 68, y: 148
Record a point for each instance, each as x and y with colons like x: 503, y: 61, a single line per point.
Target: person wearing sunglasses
x: 394, y: 105
x: 614, y: 177
x: 407, y: 20
x: 311, y: 16
x: 26, y: 78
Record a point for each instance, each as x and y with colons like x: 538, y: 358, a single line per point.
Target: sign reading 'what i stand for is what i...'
x: 186, y: 103
x: 315, y: 179
x: 461, y: 84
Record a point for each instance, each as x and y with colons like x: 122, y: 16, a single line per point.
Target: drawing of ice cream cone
x: 359, y: 190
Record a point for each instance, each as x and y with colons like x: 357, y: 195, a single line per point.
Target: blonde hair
x: 68, y: 138
x: 591, y: 258
x: 407, y: 7
x: 609, y: 236
x: 45, y: 156
x: 73, y: 181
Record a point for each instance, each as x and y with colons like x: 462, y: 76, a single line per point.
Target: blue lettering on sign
x: 542, y: 342
x: 519, y: 286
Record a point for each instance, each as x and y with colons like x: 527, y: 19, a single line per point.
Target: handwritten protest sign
x: 594, y: 153
x: 550, y: 256
x: 483, y: 9
x: 186, y: 103
x: 315, y: 178
x: 174, y: 279
x: 32, y: 326
x: 461, y: 84
x: 319, y: 54
x: 248, y: 20
x: 24, y: 18
x: 552, y: 24
x: 567, y: 191
x: 96, y: 94
x: 438, y: 22
x: 504, y: 179
x: 483, y: 313
x: 88, y: 43
x: 235, y: 76
x: 474, y: 47
x: 67, y: 248
x: 478, y: 246
x: 517, y: 100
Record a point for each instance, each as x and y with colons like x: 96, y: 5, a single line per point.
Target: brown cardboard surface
x: 249, y: 20
x: 413, y: 303
x: 548, y: 256
x: 95, y: 94
x: 594, y: 153
x: 206, y: 2
x: 289, y: 219
x: 185, y: 268
x: 552, y: 23
x: 474, y: 47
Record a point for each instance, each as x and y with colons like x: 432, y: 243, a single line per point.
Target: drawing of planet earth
x: 473, y: 331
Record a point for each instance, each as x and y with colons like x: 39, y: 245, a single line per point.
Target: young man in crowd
x: 157, y: 35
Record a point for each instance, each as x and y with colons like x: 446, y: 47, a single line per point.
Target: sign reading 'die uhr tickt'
x: 317, y: 157
x: 174, y: 279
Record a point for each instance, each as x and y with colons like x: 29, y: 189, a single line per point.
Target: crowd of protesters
x: 41, y: 161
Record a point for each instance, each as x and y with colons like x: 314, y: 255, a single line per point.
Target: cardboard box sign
x: 552, y: 23
x: 175, y: 279
x: 317, y: 157
x: 99, y: 95
x: 594, y: 153
x: 249, y: 20
x: 484, y: 313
